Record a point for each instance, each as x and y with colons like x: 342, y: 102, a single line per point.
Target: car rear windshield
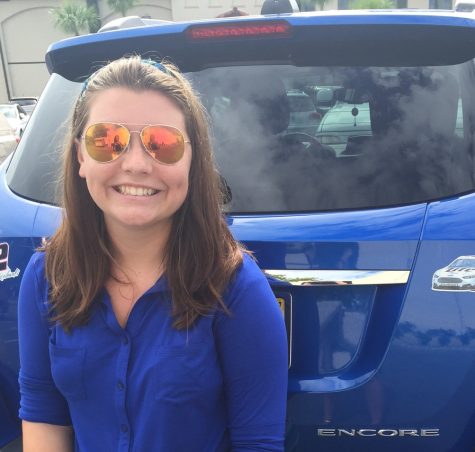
x: 384, y: 136
x: 301, y: 102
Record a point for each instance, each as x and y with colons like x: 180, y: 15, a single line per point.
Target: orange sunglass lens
x: 164, y: 143
x: 106, y: 141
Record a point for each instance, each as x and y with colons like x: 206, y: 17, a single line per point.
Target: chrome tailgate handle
x: 339, y: 277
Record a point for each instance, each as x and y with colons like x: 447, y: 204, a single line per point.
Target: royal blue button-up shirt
x: 219, y: 386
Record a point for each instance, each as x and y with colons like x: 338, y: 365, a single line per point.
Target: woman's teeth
x: 135, y: 191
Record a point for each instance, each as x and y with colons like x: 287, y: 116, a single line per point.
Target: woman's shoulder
x: 36, y: 267
x: 250, y: 299
x: 34, y: 285
x: 248, y: 277
x: 37, y: 260
x: 248, y: 271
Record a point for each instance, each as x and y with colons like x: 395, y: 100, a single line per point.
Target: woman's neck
x: 138, y: 251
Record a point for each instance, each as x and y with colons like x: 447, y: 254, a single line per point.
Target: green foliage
x: 73, y: 16
x: 321, y: 4
x: 372, y: 4
x: 122, y: 6
x: 93, y: 27
x: 309, y: 5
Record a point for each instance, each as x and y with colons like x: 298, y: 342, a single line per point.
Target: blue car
x: 349, y: 238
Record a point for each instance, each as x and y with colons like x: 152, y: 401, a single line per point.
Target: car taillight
x: 278, y: 28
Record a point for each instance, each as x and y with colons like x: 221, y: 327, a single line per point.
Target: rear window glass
x: 373, y: 137
x: 300, y: 102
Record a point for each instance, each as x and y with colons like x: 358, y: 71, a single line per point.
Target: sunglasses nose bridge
x: 135, y: 150
x: 137, y: 140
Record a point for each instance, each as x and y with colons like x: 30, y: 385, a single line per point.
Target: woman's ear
x: 79, y: 156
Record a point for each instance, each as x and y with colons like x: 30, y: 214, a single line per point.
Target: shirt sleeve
x: 252, y: 350
x: 40, y: 400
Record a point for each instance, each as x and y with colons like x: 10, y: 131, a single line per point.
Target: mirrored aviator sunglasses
x: 107, y: 141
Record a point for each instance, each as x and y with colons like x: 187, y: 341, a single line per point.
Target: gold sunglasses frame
x: 127, y: 147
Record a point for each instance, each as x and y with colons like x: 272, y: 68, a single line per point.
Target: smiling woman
x: 133, y: 190
x: 142, y: 313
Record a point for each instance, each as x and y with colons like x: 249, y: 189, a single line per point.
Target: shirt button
x: 124, y: 428
x: 120, y: 385
x: 125, y: 340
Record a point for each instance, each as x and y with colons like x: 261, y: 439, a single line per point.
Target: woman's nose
x: 136, y: 158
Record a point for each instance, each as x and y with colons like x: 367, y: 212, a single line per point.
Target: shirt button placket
x: 121, y: 392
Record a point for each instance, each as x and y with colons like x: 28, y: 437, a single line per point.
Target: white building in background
x: 27, y: 29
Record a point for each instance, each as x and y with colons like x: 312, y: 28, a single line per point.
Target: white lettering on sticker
x: 5, y: 271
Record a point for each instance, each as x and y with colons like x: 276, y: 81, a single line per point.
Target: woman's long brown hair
x: 201, y: 255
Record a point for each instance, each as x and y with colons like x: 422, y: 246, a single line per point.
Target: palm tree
x: 94, y: 4
x: 321, y: 4
x: 372, y: 4
x: 73, y: 16
x: 309, y: 5
x: 122, y: 6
